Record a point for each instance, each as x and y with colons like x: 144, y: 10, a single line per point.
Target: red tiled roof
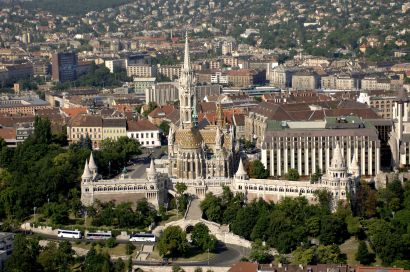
x: 141, y: 125
x: 8, y: 133
x: 244, y: 267
x: 162, y: 111
x: 74, y: 111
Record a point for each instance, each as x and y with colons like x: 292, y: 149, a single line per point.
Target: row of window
x: 280, y: 189
x: 141, y: 135
x: 120, y: 188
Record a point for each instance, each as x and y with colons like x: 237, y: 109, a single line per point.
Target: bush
x: 129, y: 248
x: 111, y: 242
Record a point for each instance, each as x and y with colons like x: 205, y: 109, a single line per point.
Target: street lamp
x: 34, y: 209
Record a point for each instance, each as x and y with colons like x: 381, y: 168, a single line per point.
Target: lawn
x: 194, y: 256
x: 118, y: 250
x: 349, y: 247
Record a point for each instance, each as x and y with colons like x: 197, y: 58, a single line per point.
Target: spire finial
x: 151, y: 169
x: 86, y: 174
x: 186, y: 53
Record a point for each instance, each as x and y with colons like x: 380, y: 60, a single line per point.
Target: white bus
x: 143, y: 237
x: 98, y: 235
x: 76, y: 234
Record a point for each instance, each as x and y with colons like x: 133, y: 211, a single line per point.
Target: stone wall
x: 221, y: 232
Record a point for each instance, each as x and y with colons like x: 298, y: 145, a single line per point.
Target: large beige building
x: 83, y: 125
x: 162, y: 93
x: 374, y: 84
x: 141, y: 70
x: 336, y: 82
x: 304, y: 81
x: 170, y: 71
x: 307, y: 146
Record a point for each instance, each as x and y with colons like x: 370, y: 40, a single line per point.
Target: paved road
x: 226, y: 255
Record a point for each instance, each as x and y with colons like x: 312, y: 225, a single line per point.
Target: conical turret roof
x: 354, y: 166
x: 241, y: 170
x: 86, y: 174
x: 91, y: 165
x: 337, y: 158
x: 151, y: 169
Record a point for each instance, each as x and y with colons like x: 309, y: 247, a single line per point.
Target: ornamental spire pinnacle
x: 187, y: 64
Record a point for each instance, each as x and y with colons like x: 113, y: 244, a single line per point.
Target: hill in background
x: 73, y: 7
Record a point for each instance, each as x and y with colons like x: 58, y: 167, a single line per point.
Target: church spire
x: 187, y: 63
x: 187, y: 97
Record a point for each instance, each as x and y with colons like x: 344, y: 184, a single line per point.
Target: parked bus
x: 98, y: 235
x: 143, y: 237
x: 76, y: 234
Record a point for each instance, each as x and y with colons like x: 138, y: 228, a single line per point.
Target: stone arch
x: 189, y: 228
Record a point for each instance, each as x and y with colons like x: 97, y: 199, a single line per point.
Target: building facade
x: 141, y: 70
x: 307, y: 146
x: 64, y: 66
x: 122, y: 189
x: 147, y: 134
x: 162, y: 93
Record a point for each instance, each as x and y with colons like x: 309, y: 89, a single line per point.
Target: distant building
x: 162, y: 93
x: 83, y: 125
x: 19, y: 71
x: 243, y: 77
x: 42, y: 68
x: 115, y: 65
x: 143, y: 83
x: 144, y: 70
x: 373, y: 84
x: 170, y: 71
x: 64, y: 66
x: 145, y: 132
x: 304, y: 81
x: 114, y: 128
x: 6, y: 247
x: 306, y: 146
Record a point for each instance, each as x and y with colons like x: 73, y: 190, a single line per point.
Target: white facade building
x: 145, y: 132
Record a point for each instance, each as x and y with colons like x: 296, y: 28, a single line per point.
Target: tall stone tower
x: 187, y: 96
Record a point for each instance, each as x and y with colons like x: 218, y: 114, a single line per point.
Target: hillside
x: 73, y: 7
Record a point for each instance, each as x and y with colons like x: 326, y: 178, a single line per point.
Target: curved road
x: 226, y: 255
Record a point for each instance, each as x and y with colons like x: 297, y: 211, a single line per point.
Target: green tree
x: 292, y: 174
x: 42, y: 131
x: 24, y: 257
x: 118, y: 266
x: 363, y: 256
x: 96, y: 262
x: 316, y: 176
x: 164, y: 127
x: 304, y: 256
x: 129, y: 248
x: 257, y: 170
x: 260, y: 253
x: 173, y: 242
x: 57, y: 257
x: 111, y: 242
x: 212, y: 208
x: 333, y: 230
x: 202, y: 239
x: 325, y: 200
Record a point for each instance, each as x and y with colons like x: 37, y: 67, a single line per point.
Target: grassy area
x: 172, y: 216
x: 118, y: 250
x: 194, y: 256
x: 349, y: 247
